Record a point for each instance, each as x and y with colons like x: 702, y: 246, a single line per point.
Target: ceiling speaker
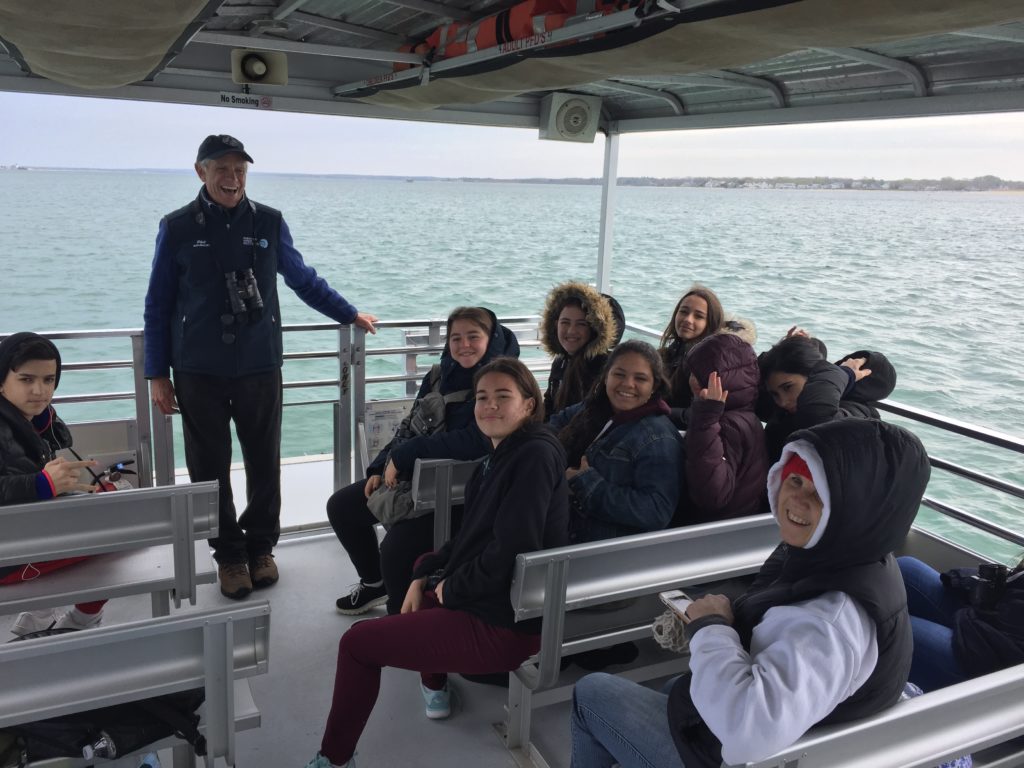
x: 258, y: 67
x: 568, y: 117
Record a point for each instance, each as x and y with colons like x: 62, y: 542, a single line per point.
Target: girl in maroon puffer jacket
x: 726, y: 459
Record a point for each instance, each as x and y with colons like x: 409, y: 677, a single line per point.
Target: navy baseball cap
x: 221, y: 144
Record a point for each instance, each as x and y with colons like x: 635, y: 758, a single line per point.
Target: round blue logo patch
x: 263, y: 242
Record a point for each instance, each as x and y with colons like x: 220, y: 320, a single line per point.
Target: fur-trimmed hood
x: 603, y: 313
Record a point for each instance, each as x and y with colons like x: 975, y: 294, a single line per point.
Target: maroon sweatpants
x: 433, y: 641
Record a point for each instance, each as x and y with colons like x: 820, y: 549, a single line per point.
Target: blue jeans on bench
x: 932, y: 608
x: 615, y: 720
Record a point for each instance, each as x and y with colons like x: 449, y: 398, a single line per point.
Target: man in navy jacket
x: 212, y: 314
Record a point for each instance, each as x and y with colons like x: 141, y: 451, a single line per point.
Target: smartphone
x: 677, y: 600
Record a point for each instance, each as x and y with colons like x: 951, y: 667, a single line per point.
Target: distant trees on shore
x: 945, y: 184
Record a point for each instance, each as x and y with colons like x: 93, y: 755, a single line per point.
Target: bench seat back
x: 80, y: 671
x: 551, y: 582
x: 102, y: 523
x: 922, y: 732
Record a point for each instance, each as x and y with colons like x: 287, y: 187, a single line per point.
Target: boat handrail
x: 425, y: 337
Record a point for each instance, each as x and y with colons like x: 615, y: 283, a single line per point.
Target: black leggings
x: 405, y: 541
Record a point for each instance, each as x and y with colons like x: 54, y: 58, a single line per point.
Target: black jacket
x: 517, y: 501
x: 25, y: 448
x: 876, y: 475
x: 829, y: 394
x: 205, y: 242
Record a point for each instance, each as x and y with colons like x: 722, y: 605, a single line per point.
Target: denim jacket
x: 632, y: 485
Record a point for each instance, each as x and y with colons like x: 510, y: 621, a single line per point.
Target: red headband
x: 798, y: 466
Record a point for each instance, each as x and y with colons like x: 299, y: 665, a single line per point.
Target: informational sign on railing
x: 382, y: 419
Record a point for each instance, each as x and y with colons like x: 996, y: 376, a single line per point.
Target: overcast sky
x: 38, y: 130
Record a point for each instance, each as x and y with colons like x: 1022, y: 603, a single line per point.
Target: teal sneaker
x: 322, y: 762
x: 439, y: 703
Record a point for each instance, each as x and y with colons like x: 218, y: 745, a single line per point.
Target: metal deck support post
x: 144, y: 449
x: 604, y: 242
x: 219, y: 644
x: 442, y: 505
x: 520, y: 707
x: 351, y: 359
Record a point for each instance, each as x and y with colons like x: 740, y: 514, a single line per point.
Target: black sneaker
x: 361, y: 599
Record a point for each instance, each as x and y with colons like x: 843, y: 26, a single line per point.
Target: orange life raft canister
x: 520, y: 22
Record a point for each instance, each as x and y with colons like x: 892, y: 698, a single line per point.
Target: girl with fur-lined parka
x: 697, y: 315
x: 578, y: 327
x: 623, y: 451
x: 801, y: 388
x: 726, y: 459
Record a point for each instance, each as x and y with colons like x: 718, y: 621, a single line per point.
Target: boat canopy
x: 645, y: 65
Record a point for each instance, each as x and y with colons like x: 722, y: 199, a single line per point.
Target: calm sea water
x: 935, y: 280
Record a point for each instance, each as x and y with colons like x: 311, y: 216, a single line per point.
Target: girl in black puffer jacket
x: 801, y: 388
x: 30, y: 436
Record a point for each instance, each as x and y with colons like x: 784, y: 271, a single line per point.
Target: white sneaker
x: 76, y: 619
x: 33, y: 621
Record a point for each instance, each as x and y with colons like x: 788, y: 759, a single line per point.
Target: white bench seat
x: 557, y: 583
x: 166, y: 524
x: 116, y: 574
x: 81, y: 671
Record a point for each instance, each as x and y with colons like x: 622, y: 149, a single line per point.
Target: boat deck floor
x: 295, y: 695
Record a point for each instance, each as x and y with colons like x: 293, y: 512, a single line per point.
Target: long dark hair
x: 525, y: 383
x: 597, y: 409
x: 716, y: 316
x: 795, y: 354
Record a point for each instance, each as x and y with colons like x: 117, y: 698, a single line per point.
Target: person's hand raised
x: 714, y: 391
x: 856, y: 364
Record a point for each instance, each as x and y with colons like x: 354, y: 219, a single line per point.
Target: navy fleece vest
x: 207, y: 242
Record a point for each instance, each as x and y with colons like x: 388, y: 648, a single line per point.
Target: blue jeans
x: 615, y: 720
x: 932, y: 608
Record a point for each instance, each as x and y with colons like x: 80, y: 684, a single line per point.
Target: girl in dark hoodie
x: 474, y: 338
x: 802, y: 388
x: 726, y: 459
x: 456, y: 616
x: 822, y: 636
x: 30, y: 435
x: 578, y: 327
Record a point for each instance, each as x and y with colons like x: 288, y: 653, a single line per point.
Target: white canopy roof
x: 711, y: 63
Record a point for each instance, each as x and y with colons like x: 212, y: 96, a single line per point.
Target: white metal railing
x: 426, y: 338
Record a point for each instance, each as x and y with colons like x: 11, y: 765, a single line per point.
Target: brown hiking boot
x: 234, y: 580
x: 264, y: 571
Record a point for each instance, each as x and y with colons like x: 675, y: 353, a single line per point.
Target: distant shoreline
x: 946, y: 184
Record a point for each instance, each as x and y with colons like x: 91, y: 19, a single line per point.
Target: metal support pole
x: 218, y: 661
x: 604, y: 242
x: 351, y: 368
x: 442, y: 504
x: 144, y: 449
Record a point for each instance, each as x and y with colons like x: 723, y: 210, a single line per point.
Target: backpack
x: 108, y: 732
x: 427, y: 417
x: 428, y: 412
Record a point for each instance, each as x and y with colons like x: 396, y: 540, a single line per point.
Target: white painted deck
x: 294, y: 697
